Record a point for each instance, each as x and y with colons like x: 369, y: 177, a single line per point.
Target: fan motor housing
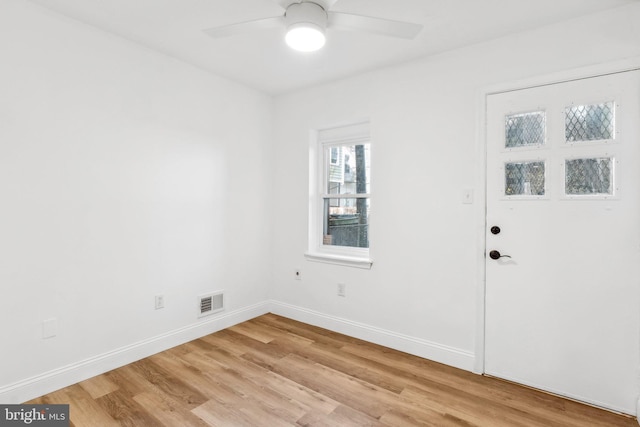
x: 306, y: 13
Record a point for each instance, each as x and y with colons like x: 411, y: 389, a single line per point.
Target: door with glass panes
x: 563, y: 239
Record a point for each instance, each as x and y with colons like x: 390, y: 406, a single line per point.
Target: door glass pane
x: 525, y: 129
x: 589, y: 176
x: 589, y: 122
x: 526, y: 178
x: 346, y: 222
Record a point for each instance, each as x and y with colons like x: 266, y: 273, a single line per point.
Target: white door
x: 563, y: 186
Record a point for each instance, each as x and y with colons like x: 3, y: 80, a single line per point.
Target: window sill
x: 346, y: 261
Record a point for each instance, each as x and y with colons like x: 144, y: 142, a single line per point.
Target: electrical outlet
x: 159, y: 302
x: 297, y: 274
x: 342, y: 290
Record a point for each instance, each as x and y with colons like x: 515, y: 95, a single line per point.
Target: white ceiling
x: 262, y: 60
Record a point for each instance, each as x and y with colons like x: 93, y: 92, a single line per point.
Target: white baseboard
x: 56, y: 379
x: 429, y: 350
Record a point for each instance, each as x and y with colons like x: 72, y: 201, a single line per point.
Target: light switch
x: 467, y: 196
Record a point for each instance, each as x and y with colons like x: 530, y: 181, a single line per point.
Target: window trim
x: 321, y: 142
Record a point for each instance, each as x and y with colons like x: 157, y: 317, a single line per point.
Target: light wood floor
x: 273, y: 371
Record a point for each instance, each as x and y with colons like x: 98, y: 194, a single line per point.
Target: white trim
x: 346, y: 196
x: 340, y: 134
x: 56, y: 379
x: 576, y: 397
x: 481, y: 225
x: 586, y: 72
x: 320, y: 141
x: 614, y: 67
x: 422, y: 348
x: 346, y: 261
x: 339, y: 142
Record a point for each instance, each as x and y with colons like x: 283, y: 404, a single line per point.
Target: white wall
x: 123, y: 174
x: 422, y: 291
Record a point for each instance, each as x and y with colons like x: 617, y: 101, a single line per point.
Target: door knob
x: 497, y: 255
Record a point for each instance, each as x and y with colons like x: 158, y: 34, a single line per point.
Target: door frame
x: 614, y: 67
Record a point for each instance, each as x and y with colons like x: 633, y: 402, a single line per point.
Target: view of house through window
x: 346, y: 202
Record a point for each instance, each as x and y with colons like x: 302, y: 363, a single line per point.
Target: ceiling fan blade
x: 326, y: 4
x: 286, y: 3
x: 404, y: 30
x: 245, y: 27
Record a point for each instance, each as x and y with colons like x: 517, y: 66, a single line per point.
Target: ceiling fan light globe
x: 305, y: 37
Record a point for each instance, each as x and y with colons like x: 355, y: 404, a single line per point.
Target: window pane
x: 525, y: 178
x: 525, y: 129
x: 334, y: 155
x: 346, y: 222
x: 348, y: 169
x: 589, y: 176
x: 589, y: 122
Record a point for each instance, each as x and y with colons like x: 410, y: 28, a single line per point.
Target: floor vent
x: 210, y: 303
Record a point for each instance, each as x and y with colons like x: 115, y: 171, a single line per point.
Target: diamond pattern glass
x: 524, y: 179
x: 589, y: 176
x: 589, y: 122
x: 525, y: 129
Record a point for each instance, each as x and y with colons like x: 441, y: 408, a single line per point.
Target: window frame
x: 321, y: 144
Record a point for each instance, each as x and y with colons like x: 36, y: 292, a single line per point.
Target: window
x: 525, y: 129
x: 524, y: 179
x: 590, y: 122
x: 341, y: 206
x: 589, y: 176
x: 334, y: 155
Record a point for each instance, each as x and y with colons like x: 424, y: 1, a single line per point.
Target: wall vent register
x: 210, y: 303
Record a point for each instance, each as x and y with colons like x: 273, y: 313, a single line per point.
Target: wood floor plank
x: 220, y: 415
x: 83, y: 409
x: 169, y: 383
x: 189, y: 372
x: 125, y: 410
x: 129, y: 381
x: 218, y: 361
x: 356, y: 394
x: 273, y: 371
x: 168, y: 411
x: 259, y: 334
x: 98, y: 386
x: 536, y: 403
x: 245, y: 410
x: 242, y: 344
x: 469, y: 410
x: 354, y: 366
x: 397, y: 417
x: 314, y: 333
x: 247, y: 380
x: 340, y: 417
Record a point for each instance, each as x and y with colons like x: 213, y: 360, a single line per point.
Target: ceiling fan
x: 307, y: 20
